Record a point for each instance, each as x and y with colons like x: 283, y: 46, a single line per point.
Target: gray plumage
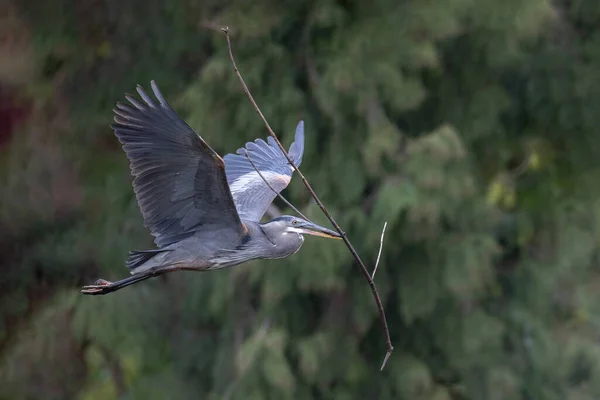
x: 203, y: 211
x: 251, y: 195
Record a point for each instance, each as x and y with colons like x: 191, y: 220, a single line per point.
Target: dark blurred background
x: 471, y: 127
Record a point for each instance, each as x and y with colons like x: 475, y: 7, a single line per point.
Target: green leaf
x: 418, y: 290
x: 277, y: 370
x: 394, y: 196
x: 413, y: 378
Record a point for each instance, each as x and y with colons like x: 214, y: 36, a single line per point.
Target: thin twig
x: 271, y: 187
x: 380, y: 247
x: 382, y: 318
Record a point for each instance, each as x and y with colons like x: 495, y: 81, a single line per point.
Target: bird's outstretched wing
x: 251, y: 194
x: 180, y: 182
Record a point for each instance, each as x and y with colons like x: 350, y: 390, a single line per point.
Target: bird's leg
x: 102, y: 286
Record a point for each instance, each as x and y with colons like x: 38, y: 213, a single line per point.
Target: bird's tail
x: 138, y: 258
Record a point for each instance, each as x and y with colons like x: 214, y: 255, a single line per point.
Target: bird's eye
x: 294, y: 222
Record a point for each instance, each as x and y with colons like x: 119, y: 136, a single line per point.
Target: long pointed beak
x: 316, y: 230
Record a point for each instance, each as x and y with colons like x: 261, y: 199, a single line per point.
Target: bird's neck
x: 281, y: 244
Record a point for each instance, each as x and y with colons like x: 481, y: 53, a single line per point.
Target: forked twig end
x: 380, y: 247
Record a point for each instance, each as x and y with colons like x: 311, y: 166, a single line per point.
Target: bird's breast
x: 285, y: 245
x: 301, y: 241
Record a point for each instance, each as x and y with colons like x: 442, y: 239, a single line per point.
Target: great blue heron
x: 203, y: 211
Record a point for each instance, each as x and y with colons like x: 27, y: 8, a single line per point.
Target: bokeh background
x: 470, y: 126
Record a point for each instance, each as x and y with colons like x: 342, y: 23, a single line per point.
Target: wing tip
x: 145, y: 97
x: 296, y: 150
x: 158, y: 94
x: 300, y: 129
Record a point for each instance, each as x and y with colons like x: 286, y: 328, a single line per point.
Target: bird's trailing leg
x: 102, y: 286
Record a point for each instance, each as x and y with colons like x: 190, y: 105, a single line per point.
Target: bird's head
x: 289, y: 224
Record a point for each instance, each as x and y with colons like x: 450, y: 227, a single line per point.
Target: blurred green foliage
x: 469, y: 126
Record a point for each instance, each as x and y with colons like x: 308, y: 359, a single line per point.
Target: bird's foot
x: 101, y: 286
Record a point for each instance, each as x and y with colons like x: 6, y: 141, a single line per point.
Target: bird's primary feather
x: 180, y: 182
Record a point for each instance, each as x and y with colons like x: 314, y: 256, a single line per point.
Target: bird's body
x: 193, y: 253
x: 204, y: 211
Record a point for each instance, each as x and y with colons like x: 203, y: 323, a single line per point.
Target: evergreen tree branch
x: 116, y: 370
x: 259, y: 337
x: 382, y: 316
x: 380, y: 247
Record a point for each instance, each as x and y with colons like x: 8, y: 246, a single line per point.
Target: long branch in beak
x: 316, y: 230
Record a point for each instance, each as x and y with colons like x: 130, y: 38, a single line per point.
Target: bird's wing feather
x: 251, y: 194
x: 180, y: 182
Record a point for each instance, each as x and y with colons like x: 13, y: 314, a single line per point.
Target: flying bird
x: 204, y: 211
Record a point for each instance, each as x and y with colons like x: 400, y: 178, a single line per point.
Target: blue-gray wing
x: 251, y: 194
x: 180, y: 182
